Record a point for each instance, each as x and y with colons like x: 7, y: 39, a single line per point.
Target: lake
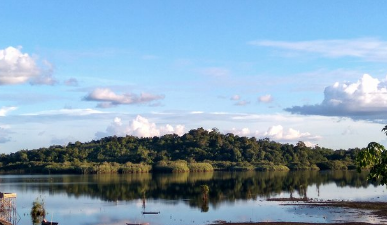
x: 114, y: 199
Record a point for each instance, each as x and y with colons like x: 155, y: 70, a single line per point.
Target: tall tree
x: 374, y: 157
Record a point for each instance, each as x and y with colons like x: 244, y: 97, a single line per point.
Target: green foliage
x: 222, y: 151
x: 302, y: 166
x: 37, y: 211
x: 135, y: 168
x: 205, y: 190
x: 242, y: 166
x: 200, y: 167
x: 374, y: 157
x: 179, y: 166
x: 333, y: 165
x: 271, y: 167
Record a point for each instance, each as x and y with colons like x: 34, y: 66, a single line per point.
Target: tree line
x: 200, y: 149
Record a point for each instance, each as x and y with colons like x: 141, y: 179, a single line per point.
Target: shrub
x: 135, y: 168
x: 200, y: 167
x: 179, y: 166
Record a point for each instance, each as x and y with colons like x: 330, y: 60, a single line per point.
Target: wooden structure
x: 8, y: 207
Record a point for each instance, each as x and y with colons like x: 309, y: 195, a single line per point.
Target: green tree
x: 374, y: 157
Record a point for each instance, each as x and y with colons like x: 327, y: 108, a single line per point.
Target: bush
x: 222, y: 165
x: 200, y: 167
x: 332, y: 165
x: 179, y: 166
x: 271, y: 167
x: 300, y: 166
x: 135, y: 168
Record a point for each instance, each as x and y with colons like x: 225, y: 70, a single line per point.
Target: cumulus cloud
x: 5, y: 110
x: 240, y: 132
x: 265, y: 98
x: 278, y: 133
x: 108, y: 98
x: 366, y: 48
x: 17, y: 68
x: 140, y: 127
x: 365, y: 99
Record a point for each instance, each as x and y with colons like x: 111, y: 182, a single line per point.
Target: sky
x: 311, y: 71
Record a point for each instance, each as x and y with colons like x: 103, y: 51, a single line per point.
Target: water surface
x: 234, y: 196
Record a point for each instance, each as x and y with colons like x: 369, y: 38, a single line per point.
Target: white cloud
x: 196, y: 112
x: 140, y: 127
x: 365, y: 99
x: 5, y: 110
x: 240, y: 132
x: 366, y: 48
x: 17, y: 68
x: 265, y: 98
x: 239, y: 101
x: 69, y: 112
x: 108, y: 98
x: 278, y: 133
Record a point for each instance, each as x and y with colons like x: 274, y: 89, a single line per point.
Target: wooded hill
x: 197, y: 150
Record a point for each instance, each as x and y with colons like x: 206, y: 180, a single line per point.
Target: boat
x: 49, y: 223
x: 150, y: 212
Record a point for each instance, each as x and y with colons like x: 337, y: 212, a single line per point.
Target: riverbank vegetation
x: 197, y: 150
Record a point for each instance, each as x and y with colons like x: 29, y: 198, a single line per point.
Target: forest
x: 197, y: 150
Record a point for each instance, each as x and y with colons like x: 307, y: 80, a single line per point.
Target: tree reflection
x: 223, y: 186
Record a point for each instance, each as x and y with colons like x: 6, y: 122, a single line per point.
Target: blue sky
x: 312, y: 71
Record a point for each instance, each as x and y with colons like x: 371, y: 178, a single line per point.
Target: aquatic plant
x: 37, y: 211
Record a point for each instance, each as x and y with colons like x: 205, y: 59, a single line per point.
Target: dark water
x: 239, y: 196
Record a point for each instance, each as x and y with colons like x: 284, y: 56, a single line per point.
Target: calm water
x: 119, y: 199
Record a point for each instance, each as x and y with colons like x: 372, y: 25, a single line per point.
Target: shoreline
x: 378, y: 209
x: 296, y: 223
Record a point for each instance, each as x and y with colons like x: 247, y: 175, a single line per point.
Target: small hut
x: 8, y: 207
